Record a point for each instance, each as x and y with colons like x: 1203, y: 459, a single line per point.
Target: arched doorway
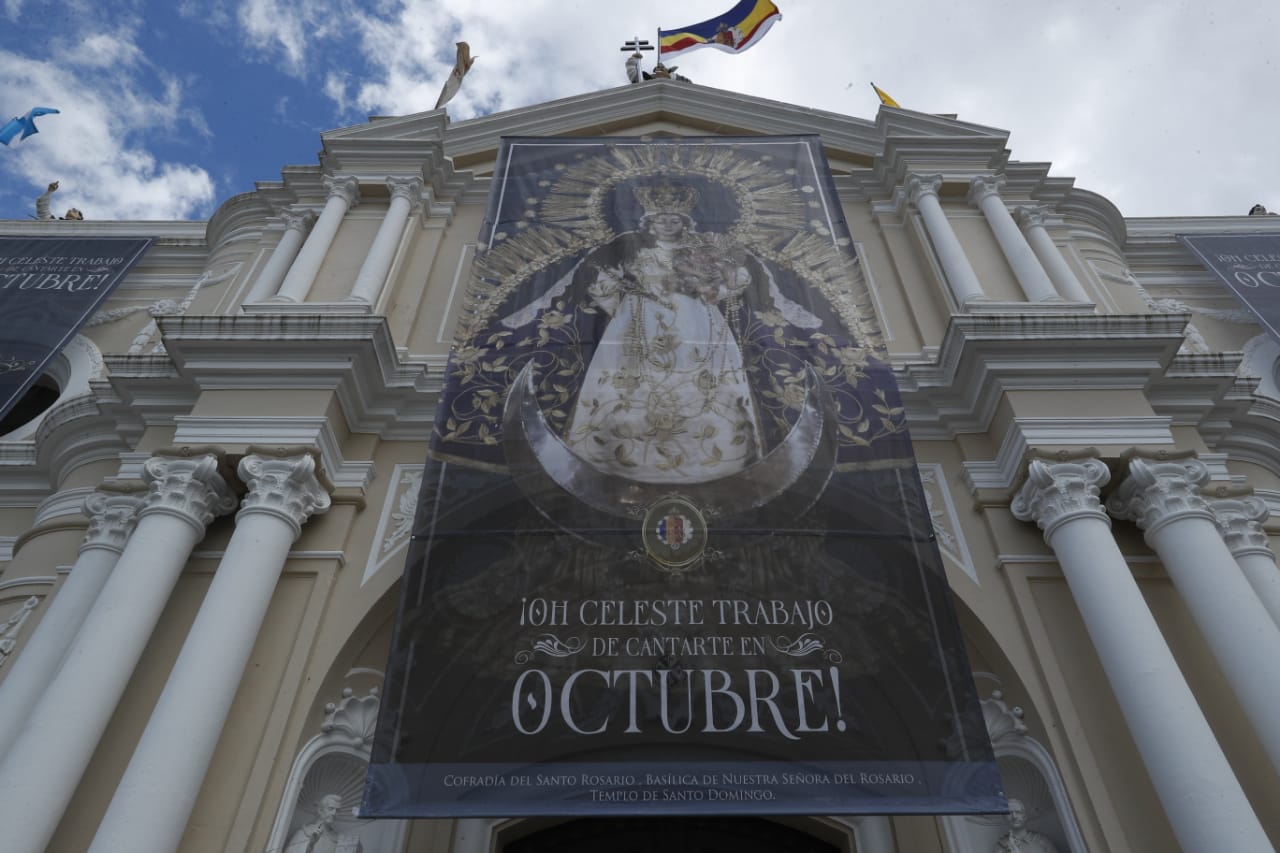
x: 669, y: 835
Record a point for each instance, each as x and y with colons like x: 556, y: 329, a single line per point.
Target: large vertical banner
x: 1249, y: 265
x: 672, y: 554
x: 49, y: 287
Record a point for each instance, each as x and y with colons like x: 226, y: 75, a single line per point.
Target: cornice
x: 1095, y: 211
x: 240, y: 217
x: 168, y: 232
x: 984, y: 355
x: 352, y: 355
x: 707, y: 110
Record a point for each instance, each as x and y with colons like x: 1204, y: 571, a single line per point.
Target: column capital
x: 1058, y: 492
x: 1240, y: 521
x: 286, y: 487
x: 985, y: 185
x: 409, y: 189
x: 1157, y: 493
x: 1031, y: 215
x: 297, y: 220
x: 188, y: 487
x: 111, y: 519
x: 345, y: 187
x: 919, y: 186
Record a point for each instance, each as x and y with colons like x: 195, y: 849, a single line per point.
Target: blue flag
x: 26, y: 125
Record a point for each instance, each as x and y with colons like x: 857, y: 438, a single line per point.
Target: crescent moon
x: 559, y: 483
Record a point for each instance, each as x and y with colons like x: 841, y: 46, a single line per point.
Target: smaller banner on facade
x: 49, y: 287
x: 1249, y: 265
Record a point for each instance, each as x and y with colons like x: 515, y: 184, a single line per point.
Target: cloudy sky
x: 170, y: 107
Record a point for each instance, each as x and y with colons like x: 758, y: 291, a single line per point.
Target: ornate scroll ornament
x: 1194, y: 341
x: 346, y: 188
x: 10, y: 627
x: 1056, y: 493
x: 985, y: 185
x: 919, y: 186
x: 1240, y: 522
x: 1001, y: 720
x: 355, y: 717
x: 1031, y: 216
x: 402, y: 516
x: 1157, y: 493
x: 188, y: 487
x: 550, y: 644
x: 111, y: 519
x: 164, y: 308
x: 804, y: 645
x: 286, y: 487
x: 409, y: 189
x: 297, y: 220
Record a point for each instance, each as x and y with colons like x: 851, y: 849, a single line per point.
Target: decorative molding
x: 30, y: 580
x: 947, y: 527
x: 409, y: 189
x: 10, y: 627
x: 286, y: 488
x: 189, y: 488
x: 395, y: 523
x: 6, y: 548
x: 283, y: 431
x: 112, y: 518
x: 339, y: 557
x: 982, y: 186
x: 352, y: 717
x: 982, y: 356
x: 1159, y: 493
x: 1056, y: 493
x: 919, y: 186
x: 333, y: 764
x: 351, y: 355
x: 1026, y: 436
x: 61, y: 504
x: 344, y: 187
x: 297, y: 220
x: 1240, y: 520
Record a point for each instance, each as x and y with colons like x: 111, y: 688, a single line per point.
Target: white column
x: 1163, y: 499
x: 268, y: 282
x: 1201, y: 796
x: 159, y: 788
x: 923, y: 193
x: 373, y: 272
x: 44, y: 766
x: 1032, y: 221
x: 111, y: 520
x: 343, y: 195
x: 873, y: 834
x: 1240, y: 523
x: 985, y: 192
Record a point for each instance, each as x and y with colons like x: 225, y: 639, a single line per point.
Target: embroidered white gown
x: 665, y: 397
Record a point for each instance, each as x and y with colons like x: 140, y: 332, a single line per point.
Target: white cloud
x: 290, y: 29
x: 94, y: 146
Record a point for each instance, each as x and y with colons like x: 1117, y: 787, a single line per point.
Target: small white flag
x: 460, y: 69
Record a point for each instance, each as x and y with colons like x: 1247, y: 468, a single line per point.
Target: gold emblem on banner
x: 674, y: 533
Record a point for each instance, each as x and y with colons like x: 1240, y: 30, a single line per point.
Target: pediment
x: 668, y: 108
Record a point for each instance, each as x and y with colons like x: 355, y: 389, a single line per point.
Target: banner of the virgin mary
x: 671, y: 553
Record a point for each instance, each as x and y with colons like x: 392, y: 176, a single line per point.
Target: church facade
x: 204, y: 522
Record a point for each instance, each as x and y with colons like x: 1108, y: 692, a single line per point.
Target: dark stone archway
x: 670, y: 835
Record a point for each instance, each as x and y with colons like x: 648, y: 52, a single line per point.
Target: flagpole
x: 659, y: 44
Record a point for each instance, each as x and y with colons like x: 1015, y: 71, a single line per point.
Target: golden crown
x: 666, y: 198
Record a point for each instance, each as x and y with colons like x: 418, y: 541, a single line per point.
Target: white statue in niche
x: 321, y: 836
x: 1019, y: 839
